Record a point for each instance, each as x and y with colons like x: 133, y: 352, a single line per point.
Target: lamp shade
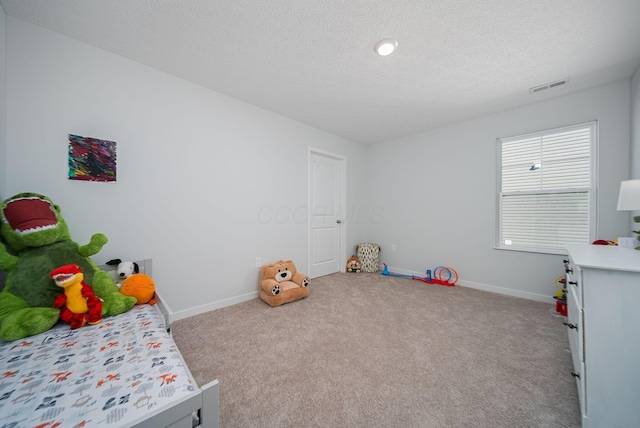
x: 629, y: 197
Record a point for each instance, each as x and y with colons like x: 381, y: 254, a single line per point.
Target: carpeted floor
x: 366, y: 350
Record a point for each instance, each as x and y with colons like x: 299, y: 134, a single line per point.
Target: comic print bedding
x: 115, y: 373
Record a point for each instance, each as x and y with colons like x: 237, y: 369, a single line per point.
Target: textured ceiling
x: 313, y: 60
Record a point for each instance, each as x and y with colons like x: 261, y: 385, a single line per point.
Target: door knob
x: 339, y: 221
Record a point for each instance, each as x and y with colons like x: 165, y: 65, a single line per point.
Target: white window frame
x: 591, y: 189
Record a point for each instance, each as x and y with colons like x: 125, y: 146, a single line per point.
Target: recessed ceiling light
x: 386, y: 47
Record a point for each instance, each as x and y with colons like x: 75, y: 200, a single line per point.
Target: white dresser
x: 603, y: 323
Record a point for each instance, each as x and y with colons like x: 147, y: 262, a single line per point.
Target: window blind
x: 545, y: 188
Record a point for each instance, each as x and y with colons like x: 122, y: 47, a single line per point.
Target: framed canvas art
x: 91, y: 159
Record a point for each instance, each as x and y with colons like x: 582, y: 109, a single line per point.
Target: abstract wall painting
x: 91, y: 159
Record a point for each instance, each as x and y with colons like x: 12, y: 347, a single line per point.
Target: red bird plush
x: 78, y: 304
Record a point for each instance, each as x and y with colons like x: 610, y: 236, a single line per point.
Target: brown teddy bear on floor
x: 281, y: 283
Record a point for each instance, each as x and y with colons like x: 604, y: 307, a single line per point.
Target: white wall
x: 195, y: 168
x: 635, y: 136
x: 435, y: 192
x: 635, y: 124
x: 3, y: 140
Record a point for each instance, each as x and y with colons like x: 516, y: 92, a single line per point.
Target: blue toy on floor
x: 437, y: 273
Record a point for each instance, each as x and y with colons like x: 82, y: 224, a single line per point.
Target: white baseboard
x: 484, y: 287
x: 175, y: 316
x: 507, y: 291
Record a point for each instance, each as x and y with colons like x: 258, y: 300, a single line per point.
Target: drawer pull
x: 573, y: 283
x: 574, y: 374
x: 570, y: 325
x: 565, y: 261
x: 568, y: 270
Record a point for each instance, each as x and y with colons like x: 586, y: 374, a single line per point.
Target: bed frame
x: 200, y: 409
x: 45, y: 377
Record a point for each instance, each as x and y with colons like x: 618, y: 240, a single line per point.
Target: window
x: 546, y: 189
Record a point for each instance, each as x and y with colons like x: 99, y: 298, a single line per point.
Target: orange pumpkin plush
x: 141, y: 287
x: 281, y: 283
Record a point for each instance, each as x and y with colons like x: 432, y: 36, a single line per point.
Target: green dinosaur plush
x: 39, y: 240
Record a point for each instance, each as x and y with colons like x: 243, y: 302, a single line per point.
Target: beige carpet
x: 366, y: 350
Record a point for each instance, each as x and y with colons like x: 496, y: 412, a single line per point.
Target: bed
x: 126, y: 371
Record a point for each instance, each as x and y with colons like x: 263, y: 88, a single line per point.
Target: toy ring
x: 437, y: 272
x: 455, y: 274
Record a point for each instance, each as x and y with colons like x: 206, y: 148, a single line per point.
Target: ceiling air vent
x: 548, y: 86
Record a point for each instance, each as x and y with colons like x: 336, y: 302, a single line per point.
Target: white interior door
x: 327, y: 230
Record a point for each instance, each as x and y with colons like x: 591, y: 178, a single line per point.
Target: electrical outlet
x: 258, y: 262
x: 393, y: 248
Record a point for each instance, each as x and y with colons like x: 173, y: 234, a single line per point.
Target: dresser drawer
x: 579, y: 375
x: 575, y: 328
x: 573, y: 278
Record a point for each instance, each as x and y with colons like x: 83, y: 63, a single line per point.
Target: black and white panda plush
x: 124, y: 269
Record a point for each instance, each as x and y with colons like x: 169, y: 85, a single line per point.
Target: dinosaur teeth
x: 62, y: 278
x: 35, y: 229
